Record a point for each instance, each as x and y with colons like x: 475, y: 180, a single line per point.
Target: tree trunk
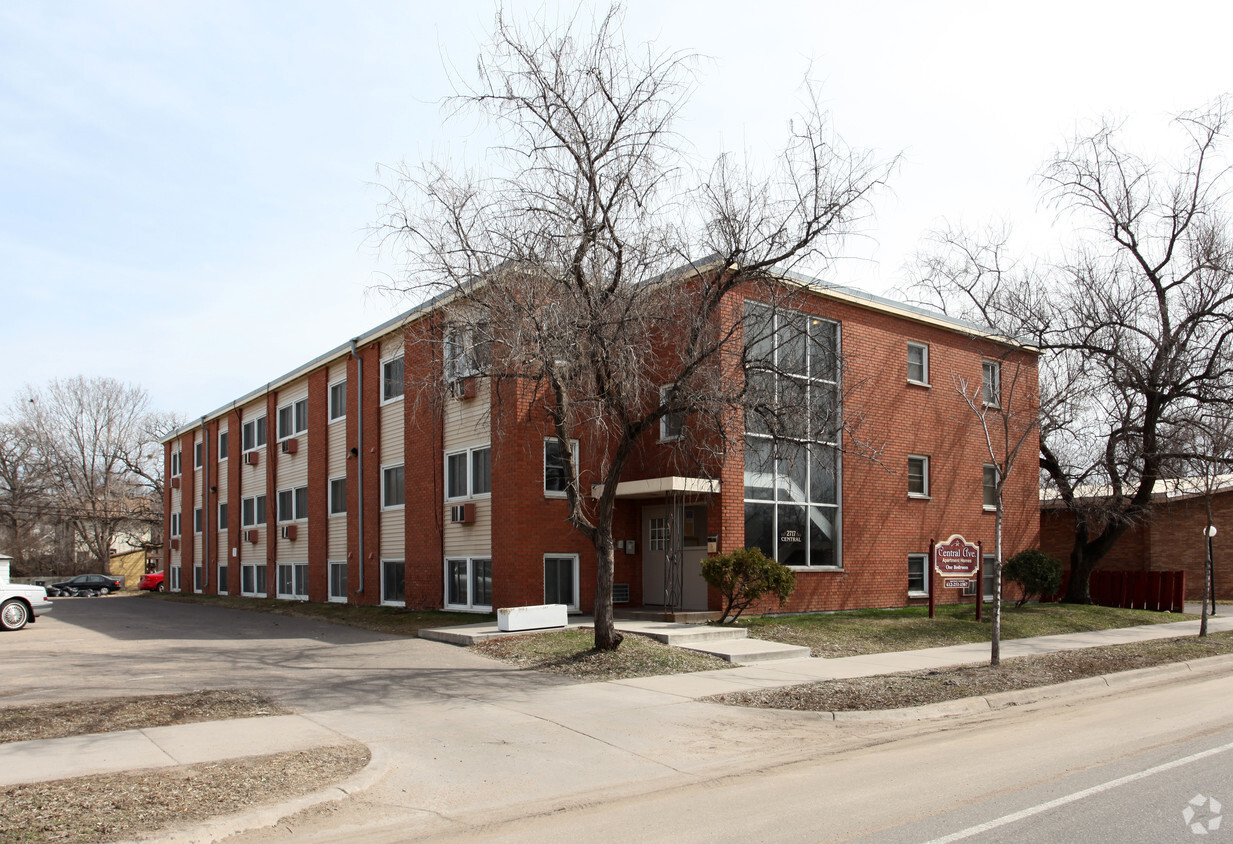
x: 1080, y: 566
x: 995, y: 639
x: 606, y: 636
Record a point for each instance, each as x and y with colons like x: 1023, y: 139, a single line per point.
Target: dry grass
x: 570, y: 652
x: 130, y: 805
x: 394, y: 620
x: 916, y: 688
x: 880, y: 631
x: 106, y: 715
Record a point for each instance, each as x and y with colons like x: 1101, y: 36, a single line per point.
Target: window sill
x: 924, y: 384
x: 815, y: 568
x: 339, y: 513
x: 989, y: 508
x: 559, y: 496
x: 393, y: 507
x: 337, y: 419
x: 918, y: 496
x: 335, y: 599
x: 384, y: 402
x: 918, y: 594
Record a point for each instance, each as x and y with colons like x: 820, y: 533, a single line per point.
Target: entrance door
x: 654, y: 554
x: 682, y: 533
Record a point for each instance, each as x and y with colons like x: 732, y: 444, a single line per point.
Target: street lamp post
x: 1209, y: 532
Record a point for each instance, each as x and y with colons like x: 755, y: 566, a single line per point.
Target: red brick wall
x: 424, y: 471
x: 318, y: 528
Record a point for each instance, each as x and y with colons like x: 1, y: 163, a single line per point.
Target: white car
x: 21, y: 604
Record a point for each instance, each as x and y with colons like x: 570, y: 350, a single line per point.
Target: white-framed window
x: 393, y: 491
x: 393, y: 583
x: 338, y: 496
x: 293, y: 504
x: 918, y: 575
x: 175, y: 524
x: 222, y: 515
x: 222, y: 445
x: 989, y: 487
x: 792, y: 431
x: 554, y: 466
x: 392, y: 382
x: 338, y: 401
x: 221, y: 584
x: 198, y: 518
x: 198, y: 454
x: 671, y: 425
x: 175, y: 578
x: 468, y: 583
x: 175, y: 463
x: 918, y: 476
x: 338, y: 582
x: 988, y: 582
x: 991, y: 383
x: 293, y: 581
x: 292, y: 419
x: 466, y: 350
x: 918, y: 363
x: 252, y: 511
x: 253, y: 433
x: 252, y: 580
x: 657, y: 530
x: 198, y: 577
x: 561, y: 579
x: 468, y: 472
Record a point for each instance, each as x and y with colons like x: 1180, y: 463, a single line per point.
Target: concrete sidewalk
x: 448, y: 726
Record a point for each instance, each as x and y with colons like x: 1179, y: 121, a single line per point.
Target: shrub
x: 1037, y: 573
x: 743, y: 577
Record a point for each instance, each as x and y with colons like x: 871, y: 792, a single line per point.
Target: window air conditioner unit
x: 291, y: 446
x: 288, y: 531
x: 175, y: 482
x: 462, y: 514
x: 252, y: 458
x: 175, y: 545
x: 251, y: 536
x: 463, y: 388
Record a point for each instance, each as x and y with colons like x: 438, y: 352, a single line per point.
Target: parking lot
x: 130, y: 645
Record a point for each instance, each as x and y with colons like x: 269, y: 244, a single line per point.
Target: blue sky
x: 185, y: 188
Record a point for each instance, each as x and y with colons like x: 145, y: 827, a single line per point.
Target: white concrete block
x: 532, y: 618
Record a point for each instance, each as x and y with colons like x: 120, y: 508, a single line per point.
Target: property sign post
x: 980, y: 578
x: 929, y: 574
x: 955, y: 558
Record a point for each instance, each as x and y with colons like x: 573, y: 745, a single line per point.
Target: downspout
x: 205, y: 511
x: 359, y: 456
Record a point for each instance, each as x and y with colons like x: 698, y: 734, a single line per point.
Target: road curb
x: 378, y: 766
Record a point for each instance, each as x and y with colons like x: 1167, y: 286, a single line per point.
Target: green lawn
x: 879, y: 631
x: 379, y: 619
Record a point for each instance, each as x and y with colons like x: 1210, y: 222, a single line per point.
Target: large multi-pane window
x: 293, y: 419
x: 293, y: 504
x: 469, y: 583
x: 468, y: 473
x: 792, y: 510
x: 253, y: 434
x: 293, y: 580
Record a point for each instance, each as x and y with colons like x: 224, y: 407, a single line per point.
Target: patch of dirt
x: 134, y: 804
x: 916, y: 688
x: 106, y: 715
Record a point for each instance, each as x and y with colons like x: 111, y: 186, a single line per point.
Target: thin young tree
x: 595, y: 263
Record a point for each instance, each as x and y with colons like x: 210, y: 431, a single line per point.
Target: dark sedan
x: 99, y: 584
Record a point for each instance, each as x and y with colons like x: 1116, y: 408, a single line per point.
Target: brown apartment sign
x: 956, y: 557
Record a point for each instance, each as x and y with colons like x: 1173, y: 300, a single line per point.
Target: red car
x: 152, y: 582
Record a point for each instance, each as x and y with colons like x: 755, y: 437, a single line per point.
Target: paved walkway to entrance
x: 406, y: 729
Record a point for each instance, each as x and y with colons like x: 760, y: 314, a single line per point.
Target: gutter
x: 359, y: 456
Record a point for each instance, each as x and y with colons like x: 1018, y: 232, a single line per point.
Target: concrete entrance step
x: 659, y: 614
x: 745, y: 651
x: 682, y: 635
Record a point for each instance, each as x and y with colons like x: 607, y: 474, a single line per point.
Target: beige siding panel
x: 392, y: 433
x: 473, y: 540
x: 293, y: 468
x: 393, y: 537
x: 467, y: 423
x: 337, y: 548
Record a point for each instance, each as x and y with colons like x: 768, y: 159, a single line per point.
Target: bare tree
x: 25, y: 498
x: 572, y: 261
x: 1135, y: 322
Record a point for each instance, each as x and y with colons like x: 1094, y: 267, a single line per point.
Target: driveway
x: 125, y: 645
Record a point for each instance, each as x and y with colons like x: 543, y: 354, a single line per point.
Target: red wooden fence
x: 1163, y: 591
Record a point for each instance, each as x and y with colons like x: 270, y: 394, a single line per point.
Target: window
x: 175, y: 463
x: 253, y: 434
x: 391, y: 379
x: 222, y: 446
x: 293, y: 504
x: 988, y: 581
x: 468, y: 473
x: 252, y: 511
x: 338, y: 582
x: 918, y: 575
x: 293, y: 581
x: 671, y: 425
x: 657, y: 528
x: 175, y: 524
x: 991, y: 383
x: 197, y: 519
x: 393, y: 583
x: 918, y: 363
x: 338, y: 496
x: 918, y: 476
x: 252, y: 579
x: 221, y: 584
x: 175, y: 578
x: 222, y: 515
x: 197, y: 454
x: 466, y: 350
x: 392, y: 490
x: 198, y: 577
x: 792, y: 462
x: 990, y: 486
x: 293, y: 419
x: 338, y: 401
x: 554, y: 465
x: 561, y: 580
x: 468, y: 583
